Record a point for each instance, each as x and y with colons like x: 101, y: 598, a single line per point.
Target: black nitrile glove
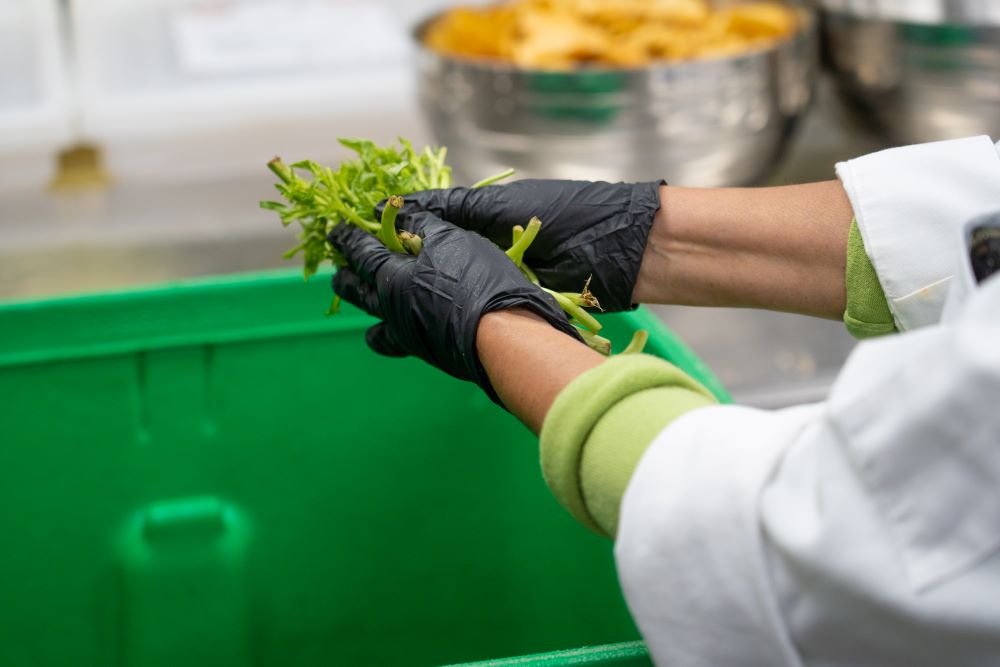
x: 588, y: 228
x: 430, y: 304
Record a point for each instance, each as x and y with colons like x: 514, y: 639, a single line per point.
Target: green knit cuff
x: 582, y: 406
x: 867, y: 313
x: 619, y: 440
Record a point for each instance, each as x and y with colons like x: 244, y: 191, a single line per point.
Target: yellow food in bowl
x: 562, y: 34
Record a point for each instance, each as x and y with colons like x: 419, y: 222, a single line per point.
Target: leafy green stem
x: 575, y: 311
x: 584, y: 298
x: 529, y: 274
x: 413, y: 243
x: 490, y: 180
x: 516, y: 233
x: 387, y: 232
x: 525, y: 239
x: 638, y: 342
x: 281, y: 170
x: 596, y: 343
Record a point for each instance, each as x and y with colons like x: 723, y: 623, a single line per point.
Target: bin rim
x: 131, y: 319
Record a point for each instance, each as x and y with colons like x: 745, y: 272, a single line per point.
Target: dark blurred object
x: 722, y: 121
x: 916, y: 71
x: 985, y: 250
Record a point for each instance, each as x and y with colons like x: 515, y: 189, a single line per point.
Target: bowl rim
x: 807, y: 29
x: 983, y: 13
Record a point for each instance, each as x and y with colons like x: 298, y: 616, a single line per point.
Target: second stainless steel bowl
x: 704, y: 122
x: 918, y: 70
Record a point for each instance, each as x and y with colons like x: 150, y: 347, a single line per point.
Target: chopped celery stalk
x: 413, y: 243
x: 576, y: 312
x: 596, y: 343
x: 387, y: 230
x: 516, y: 251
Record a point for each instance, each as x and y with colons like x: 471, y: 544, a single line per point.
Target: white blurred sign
x: 230, y: 37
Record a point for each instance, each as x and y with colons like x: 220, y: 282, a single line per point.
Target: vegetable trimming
x: 318, y: 198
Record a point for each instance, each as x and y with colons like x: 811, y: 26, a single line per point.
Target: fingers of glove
x: 451, y: 204
x: 349, y: 286
x: 381, y: 340
x: 363, y: 252
x: 423, y: 223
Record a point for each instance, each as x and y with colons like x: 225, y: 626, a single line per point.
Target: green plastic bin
x: 213, y: 473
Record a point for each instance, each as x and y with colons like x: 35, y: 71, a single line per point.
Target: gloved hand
x: 588, y: 228
x: 430, y: 304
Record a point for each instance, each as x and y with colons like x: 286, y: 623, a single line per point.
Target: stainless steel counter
x: 131, y: 235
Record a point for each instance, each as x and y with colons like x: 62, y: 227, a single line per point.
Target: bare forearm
x: 529, y: 362
x: 776, y: 248
x: 780, y: 248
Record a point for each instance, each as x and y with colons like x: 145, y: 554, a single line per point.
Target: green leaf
x: 320, y: 197
x: 359, y: 146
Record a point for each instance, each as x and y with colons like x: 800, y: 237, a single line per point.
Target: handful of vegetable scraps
x: 319, y: 198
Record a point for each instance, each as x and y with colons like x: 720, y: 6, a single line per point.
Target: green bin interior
x: 213, y: 473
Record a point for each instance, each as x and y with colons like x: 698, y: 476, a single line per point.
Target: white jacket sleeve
x: 861, y: 531
x: 910, y: 203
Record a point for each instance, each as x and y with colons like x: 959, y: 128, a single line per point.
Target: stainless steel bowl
x: 705, y: 122
x: 916, y: 70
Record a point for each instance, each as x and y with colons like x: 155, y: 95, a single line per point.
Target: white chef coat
x: 864, y: 530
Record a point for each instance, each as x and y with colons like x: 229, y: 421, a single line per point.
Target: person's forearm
x: 529, y: 362
x: 599, y: 415
x: 781, y: 248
